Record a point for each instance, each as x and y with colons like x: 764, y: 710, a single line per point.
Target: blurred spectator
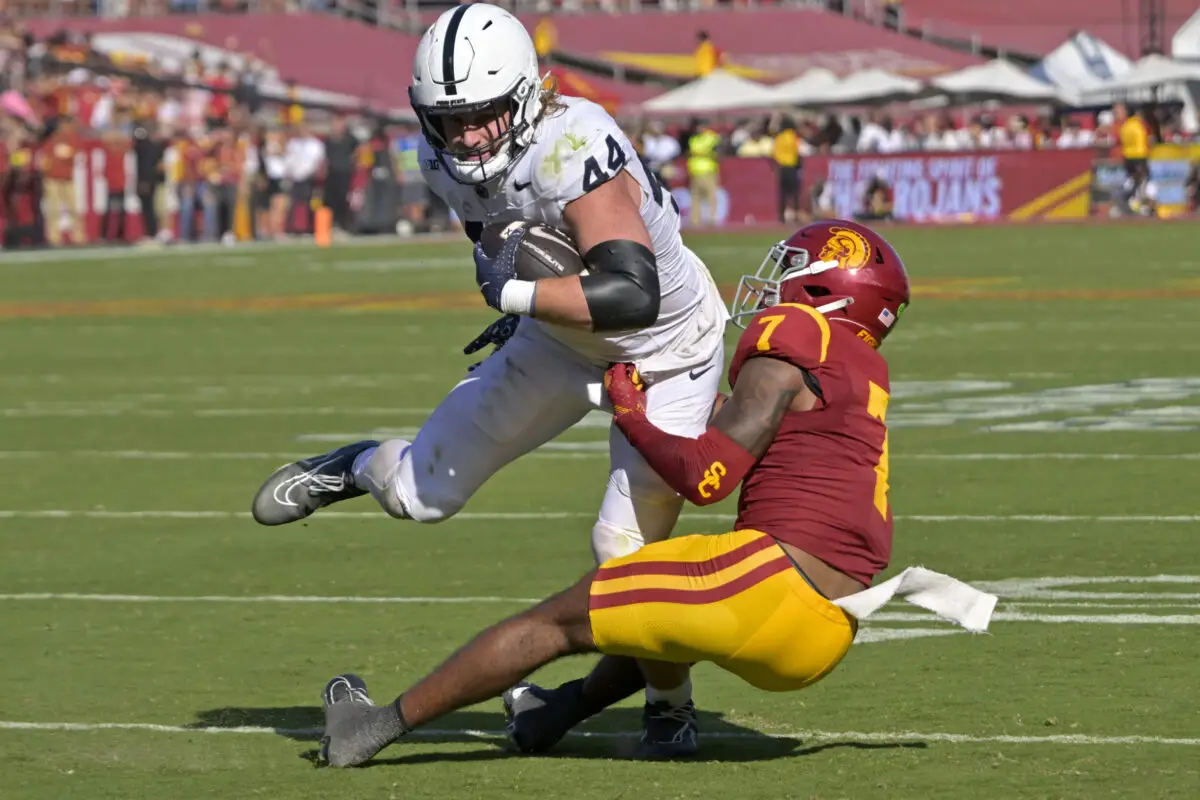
x: 756, y: 140
x: 295, y: 112
x: 149, y: 149
x: 941, y: 134
x: 414, y: 192
x: 880, y: 134
x: 704, y: 172
x: 190, y: 186
x: 170, y: 110
x: 786, y: 153
x: 271, y: 211
x: 545, y: 38
x: 116, y: 149
x: 1193, y: 187
x: 375, y: 158
x: 1019, y: 133
x: 221, y: 83
x: 830, y: 133
x: 304, y: 156
x: 708, y: 56
x: 991, y: 135
x: 341, y: 150
x: 1074, y: 136
x: 225, y: 176
x: 877, y: 200
x: 659, y: 149
x: 1106, y: 135
x: 1134, y: 137
x: 21, y: 192
x: 821, y: 201
x: 893, y: 14
x: 58, y: 171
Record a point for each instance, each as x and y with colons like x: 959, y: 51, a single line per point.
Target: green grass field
x: 1044, y: 443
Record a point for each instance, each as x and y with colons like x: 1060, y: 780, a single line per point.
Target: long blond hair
x: 551, y: 98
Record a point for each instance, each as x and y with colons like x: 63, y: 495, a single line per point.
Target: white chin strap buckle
x: 836, y: 305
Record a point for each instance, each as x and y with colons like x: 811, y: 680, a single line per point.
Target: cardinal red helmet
x: 843, y: 269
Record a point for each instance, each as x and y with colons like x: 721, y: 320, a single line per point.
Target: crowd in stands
x: 200, y: 146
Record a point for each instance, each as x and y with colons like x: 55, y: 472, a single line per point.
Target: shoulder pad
x: 584, y: 150
x: 792, y: 332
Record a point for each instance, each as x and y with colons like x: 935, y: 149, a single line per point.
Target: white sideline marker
x: 807, y: 735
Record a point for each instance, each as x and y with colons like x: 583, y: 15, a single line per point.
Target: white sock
x: 360, y: 464
x: 679, y: 696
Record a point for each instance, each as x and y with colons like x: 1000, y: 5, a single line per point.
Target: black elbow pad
x: 622, y: 290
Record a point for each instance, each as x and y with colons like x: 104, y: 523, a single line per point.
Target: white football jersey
x: 575, y: 150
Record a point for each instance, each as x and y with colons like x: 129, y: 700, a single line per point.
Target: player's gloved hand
x: 625, y: 390
x: 492, y: 272
x: 496, y: 334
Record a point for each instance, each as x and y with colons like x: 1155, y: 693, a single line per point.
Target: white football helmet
x: 477, y: 58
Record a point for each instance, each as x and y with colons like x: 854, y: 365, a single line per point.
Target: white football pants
x: 521, y: 397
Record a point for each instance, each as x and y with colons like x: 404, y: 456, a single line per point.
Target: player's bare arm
x: 623, y: 289
x: 620, y: 290
x: 707, y: 469
x: 765, y: 390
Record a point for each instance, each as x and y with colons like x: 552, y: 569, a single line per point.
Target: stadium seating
x: 1036, y: 26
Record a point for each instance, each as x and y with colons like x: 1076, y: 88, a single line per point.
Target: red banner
x: 948, y: 187
x: 925, y: 187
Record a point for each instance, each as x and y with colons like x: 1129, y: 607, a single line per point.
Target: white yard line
x: 475, y: 516
x: 806, y: 735
x: 593, y: 449
x: 1064, y: 615
x: 1010, y: 611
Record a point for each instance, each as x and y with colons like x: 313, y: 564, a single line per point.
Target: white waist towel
x: 947, y: 597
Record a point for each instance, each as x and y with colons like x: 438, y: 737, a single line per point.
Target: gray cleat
x: 355, y: 728
x: 296, y: 490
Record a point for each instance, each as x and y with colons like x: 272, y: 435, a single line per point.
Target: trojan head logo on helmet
x: 476, y: 91
x: 845, y: 270
x: 846, y: 246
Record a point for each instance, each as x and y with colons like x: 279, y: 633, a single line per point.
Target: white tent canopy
x: 1186, y: 41
x: 869, y: 87
x: 717, y: 91
x: 1082, y: 63
x: 1151, y: 71
x: 995, y: 80
x: 804, y: 88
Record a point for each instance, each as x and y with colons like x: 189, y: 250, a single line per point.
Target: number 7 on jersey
x: 877, y: 403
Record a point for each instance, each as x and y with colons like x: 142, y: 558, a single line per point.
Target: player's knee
x: 427, y: 506
x: 421, y: 503
x: 613, y: 541
x: 568, y: 614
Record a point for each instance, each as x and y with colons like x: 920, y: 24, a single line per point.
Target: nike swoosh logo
x: 283, y: 492
x: 695, y: 374
x: 520, y: 187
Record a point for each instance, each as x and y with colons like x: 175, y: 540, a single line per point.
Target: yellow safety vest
x: 701, y: 149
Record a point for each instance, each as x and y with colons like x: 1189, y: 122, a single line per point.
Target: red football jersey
x: 822, y: 485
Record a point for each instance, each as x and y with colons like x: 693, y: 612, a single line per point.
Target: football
x: 545, y: 252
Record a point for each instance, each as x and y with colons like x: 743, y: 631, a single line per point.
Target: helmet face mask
x: 766, y: 287
x: 476, y: 68
x: 844, y: 270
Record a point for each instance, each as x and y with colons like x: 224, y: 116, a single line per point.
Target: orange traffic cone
x: 323, y: 227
